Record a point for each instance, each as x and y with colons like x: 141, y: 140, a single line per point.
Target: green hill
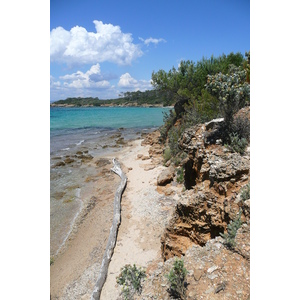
x: 138, y: 98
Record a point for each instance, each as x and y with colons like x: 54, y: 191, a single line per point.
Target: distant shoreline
x: 112, y: 105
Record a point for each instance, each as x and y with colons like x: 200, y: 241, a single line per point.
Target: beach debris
x: 113, y: 232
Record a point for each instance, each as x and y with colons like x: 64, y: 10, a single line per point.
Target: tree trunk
x: 113, y: 232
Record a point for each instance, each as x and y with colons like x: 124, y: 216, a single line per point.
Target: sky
x: 103, y: 48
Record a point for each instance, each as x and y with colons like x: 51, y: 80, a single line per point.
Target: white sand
x: 139, y: 234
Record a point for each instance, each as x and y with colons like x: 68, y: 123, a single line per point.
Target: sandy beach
x: 144, y: 212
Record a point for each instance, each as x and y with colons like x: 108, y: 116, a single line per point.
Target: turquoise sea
x: 70, y: 126
x: 91, y: 132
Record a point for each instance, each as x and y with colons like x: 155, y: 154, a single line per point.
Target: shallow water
x: 72, y: 149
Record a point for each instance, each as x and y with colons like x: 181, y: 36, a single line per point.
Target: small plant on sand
x: 51, y: 260
x: 232, y: 228
x: 130, y: 279
x: 177, y: 280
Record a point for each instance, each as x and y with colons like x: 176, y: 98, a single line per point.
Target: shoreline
x: 114, y: 105
x: 76, y: 267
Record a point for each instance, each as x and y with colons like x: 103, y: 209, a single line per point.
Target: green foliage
x: 179, y: 158
x: 237, y: 144
x: 241, y: 126
x: 232, y: 229
x: 246, y: 66
x: 203, y: 109
x: 232, y: 90
x: 167, y: 154
x: 173, y: 136
x: 51, y: 260
x: 186, y: 83
x: 150, y: 97
x: 169, y: 119
x: 245, y: 194
x: 130, y: 279
x: 177, y: 279
x: 180, y: 175
x: 202, y: 92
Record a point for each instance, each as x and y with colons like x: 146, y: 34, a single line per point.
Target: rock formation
x: 214, y: 178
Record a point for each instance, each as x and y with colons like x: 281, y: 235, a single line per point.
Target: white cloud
x: 83, y: 80
x: 78, y: 46
x: 80, y: 84
x: 129, y: 83
x: 152, y: 40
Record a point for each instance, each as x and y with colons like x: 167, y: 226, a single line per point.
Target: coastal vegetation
x: 245, y: 194
x: 232, y: 228
x: 177, y: 280
x: 217, y: 87
x: 137, y: 98
x: 130, y: 279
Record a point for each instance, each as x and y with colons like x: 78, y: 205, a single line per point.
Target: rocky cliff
x: 208, y: 200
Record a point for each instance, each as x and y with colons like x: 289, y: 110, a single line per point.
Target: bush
x: 202, y: 110
x: 169, y: 119
x: 173, y: 136
x: 241, y: 126
x: 245, y: 194
x: 167, y: 154
x: 130, y: 279
x: 177, y: 279
x: 180, y: 175
x: 232, y: 229
x: 237, y: 144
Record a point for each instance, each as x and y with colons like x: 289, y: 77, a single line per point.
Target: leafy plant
x: 203, y: 109
x: 232, y: 229
x: 241, y: 126
x: 180, y: 175
x: 130, y: 279
x: 237, y: 144
x: 169, y: 119
x: 177, y: 279
x: 233, y: 92
x: 245, y: 194
x: 167, y: 154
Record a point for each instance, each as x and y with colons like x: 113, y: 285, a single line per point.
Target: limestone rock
x: 166, y: 176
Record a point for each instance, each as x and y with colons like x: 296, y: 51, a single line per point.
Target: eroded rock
x: 166, y: 176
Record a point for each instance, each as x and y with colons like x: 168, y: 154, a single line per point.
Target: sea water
x: 93, y: 131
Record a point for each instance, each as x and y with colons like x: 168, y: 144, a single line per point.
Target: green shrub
x: 202, y: 110
x: 232, y: 229
x: 177, y: 279
x: 180, y: 175
x: 245, y: 194
x: 179, y: 158
x: 237, y: 144
x: 169, y: 119
x: 167, y: 154
x: 130, y: 279
x: 241, y: 126
x: 173, y: 137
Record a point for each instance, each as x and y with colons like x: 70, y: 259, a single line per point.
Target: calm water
x: 92, y: 131
x: 72, y: 126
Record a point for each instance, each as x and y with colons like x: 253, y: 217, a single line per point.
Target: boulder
x: 166, y: 176
x: 213, y: 123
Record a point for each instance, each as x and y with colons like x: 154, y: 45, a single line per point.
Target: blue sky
x: 102, y: 48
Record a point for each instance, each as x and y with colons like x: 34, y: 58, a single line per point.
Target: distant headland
x: 149, y: 98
